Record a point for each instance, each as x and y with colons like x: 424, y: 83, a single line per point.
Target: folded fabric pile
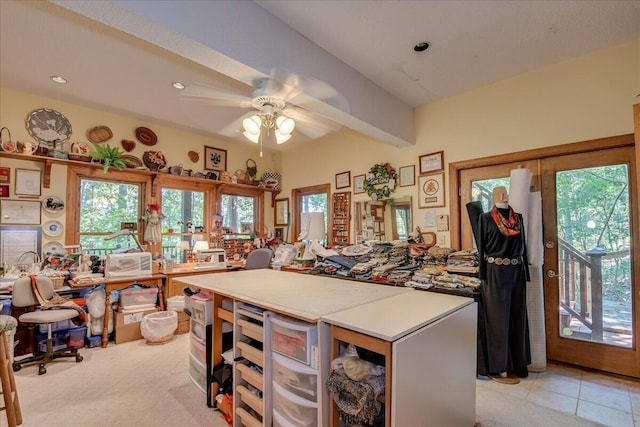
x: 356, y: 400
x: 463, y: 262
x: 436, y: 256
x: 454, y: 281
x: 381, y: 272
x: 398, y: 253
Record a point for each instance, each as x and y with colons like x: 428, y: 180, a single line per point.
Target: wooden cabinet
x: 341, y: 218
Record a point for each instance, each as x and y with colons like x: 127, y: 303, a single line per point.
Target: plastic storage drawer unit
x: 295, y: 377
x: 198, y: 373
x: 142, y: 296
x: 199, y: 330
x: 293, y: 338
x: 297, y: 411
x: 200, y: 308
x: 198, y: 349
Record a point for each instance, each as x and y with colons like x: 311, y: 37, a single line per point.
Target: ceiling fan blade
x: 300, y: 115
x: 215, y: 96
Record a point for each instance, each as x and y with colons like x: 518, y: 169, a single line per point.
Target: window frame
x: 296, y: 197
x: 234, y: 190
x: 75, y: 175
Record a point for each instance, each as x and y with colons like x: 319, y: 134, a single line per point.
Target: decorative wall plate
x: 46, y: 125
x: 52, y: 228
x: 154, y: 160
x: 53, y: 204
x: 99, y: 134
x: 146, y: 136
x: 53, y: 248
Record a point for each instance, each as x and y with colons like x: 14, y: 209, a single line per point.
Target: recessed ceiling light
x: 178, y: 85
x: 421, y: 47
x: 59, y: 79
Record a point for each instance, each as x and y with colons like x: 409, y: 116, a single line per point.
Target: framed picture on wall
x: 343, y: 180
x: 431, y: 191
x: 19, y: 211
x: 28, y: 182
x: 215, y: 159
x: 358, y: 184
x: 432, y: 162
x: 407, y: 176
x: 282, y: 211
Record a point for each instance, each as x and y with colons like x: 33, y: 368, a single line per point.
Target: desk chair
x: 258, y: 258
x: 23, y: 296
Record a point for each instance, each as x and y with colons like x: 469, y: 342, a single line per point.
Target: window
x: 100, y: 205
x: 238, y: 213
x: 183, y: 212
x: 242, y: 210
x: 310, y: 199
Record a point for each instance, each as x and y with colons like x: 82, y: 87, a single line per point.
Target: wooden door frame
x: 455, y: 210
x: 620, y: 360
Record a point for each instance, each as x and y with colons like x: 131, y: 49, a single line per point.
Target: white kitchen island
x: 428, y: 339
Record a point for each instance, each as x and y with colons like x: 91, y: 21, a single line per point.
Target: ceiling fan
x: 279, y: 104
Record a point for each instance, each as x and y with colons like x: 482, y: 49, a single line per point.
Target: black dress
x: 504, y: 297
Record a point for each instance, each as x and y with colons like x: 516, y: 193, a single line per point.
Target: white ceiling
x: 121, y: 56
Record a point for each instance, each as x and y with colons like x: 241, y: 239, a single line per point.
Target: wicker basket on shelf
x: 183, y: 323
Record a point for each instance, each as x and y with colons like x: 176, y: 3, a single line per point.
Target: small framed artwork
x: 282, y: 211
x: 358, y: 184
x: 433, y: 162
x: 27, y: 182
x: 343, y: 180
x: 215, y: 159
x: 24, y: 212
x: 431, y: 191
x: 279, y: 233
x: 407, y: 176
x: 4, y: 191
x: 5, y: 175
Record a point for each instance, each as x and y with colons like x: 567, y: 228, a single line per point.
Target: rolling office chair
x: 23, y: 296
x: 258, y: 258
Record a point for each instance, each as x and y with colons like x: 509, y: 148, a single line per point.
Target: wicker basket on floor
x: 183, y: 323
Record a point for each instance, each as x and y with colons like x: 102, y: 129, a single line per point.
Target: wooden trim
x: 296, y: 195
x: 455, y: 209
x: 76, y: 173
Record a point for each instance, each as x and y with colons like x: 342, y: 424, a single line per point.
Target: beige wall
x: 174, y: 143
x: 584, y: 98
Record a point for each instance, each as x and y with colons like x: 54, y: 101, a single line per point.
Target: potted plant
x: 109, y: 156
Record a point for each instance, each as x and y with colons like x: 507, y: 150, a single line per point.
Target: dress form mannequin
x: 504, y: 271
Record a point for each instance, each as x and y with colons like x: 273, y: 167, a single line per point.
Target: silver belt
x: 504, y: 261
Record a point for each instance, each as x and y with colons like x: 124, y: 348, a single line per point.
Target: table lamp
x: 200, y: 245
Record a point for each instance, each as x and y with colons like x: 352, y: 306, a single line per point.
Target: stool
x: 7, y: 380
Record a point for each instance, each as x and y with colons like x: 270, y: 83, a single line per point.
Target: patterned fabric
x: 508, y: 227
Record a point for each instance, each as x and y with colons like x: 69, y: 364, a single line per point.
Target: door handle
x: 551, y: 274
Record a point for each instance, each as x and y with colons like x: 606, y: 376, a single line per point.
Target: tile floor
x: 603, y: 399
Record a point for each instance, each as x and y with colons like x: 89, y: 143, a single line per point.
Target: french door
x: 591, y: 294
x: 591, y: 240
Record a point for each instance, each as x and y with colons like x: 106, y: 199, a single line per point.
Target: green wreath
x: 382, y: 173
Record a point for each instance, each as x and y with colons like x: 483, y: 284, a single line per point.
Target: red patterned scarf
x: 508, y: 227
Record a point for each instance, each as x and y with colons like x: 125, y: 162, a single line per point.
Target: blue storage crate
x: 93, y: 341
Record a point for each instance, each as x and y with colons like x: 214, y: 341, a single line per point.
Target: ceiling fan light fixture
x: 252, y: 124
x: 280, y: 137
x: 253, y: 137
x: 285, y: 124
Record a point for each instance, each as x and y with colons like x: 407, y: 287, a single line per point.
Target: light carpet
x: 135, y: 384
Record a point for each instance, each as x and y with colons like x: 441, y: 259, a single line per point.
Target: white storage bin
x: 198, y: 373
x: 142, y: 296
x: 200, y: 308
x: 297, y: 411
x: 295, y: 377
x: 198, y: 349
x: 199, y: 330
x: 293, y: 338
